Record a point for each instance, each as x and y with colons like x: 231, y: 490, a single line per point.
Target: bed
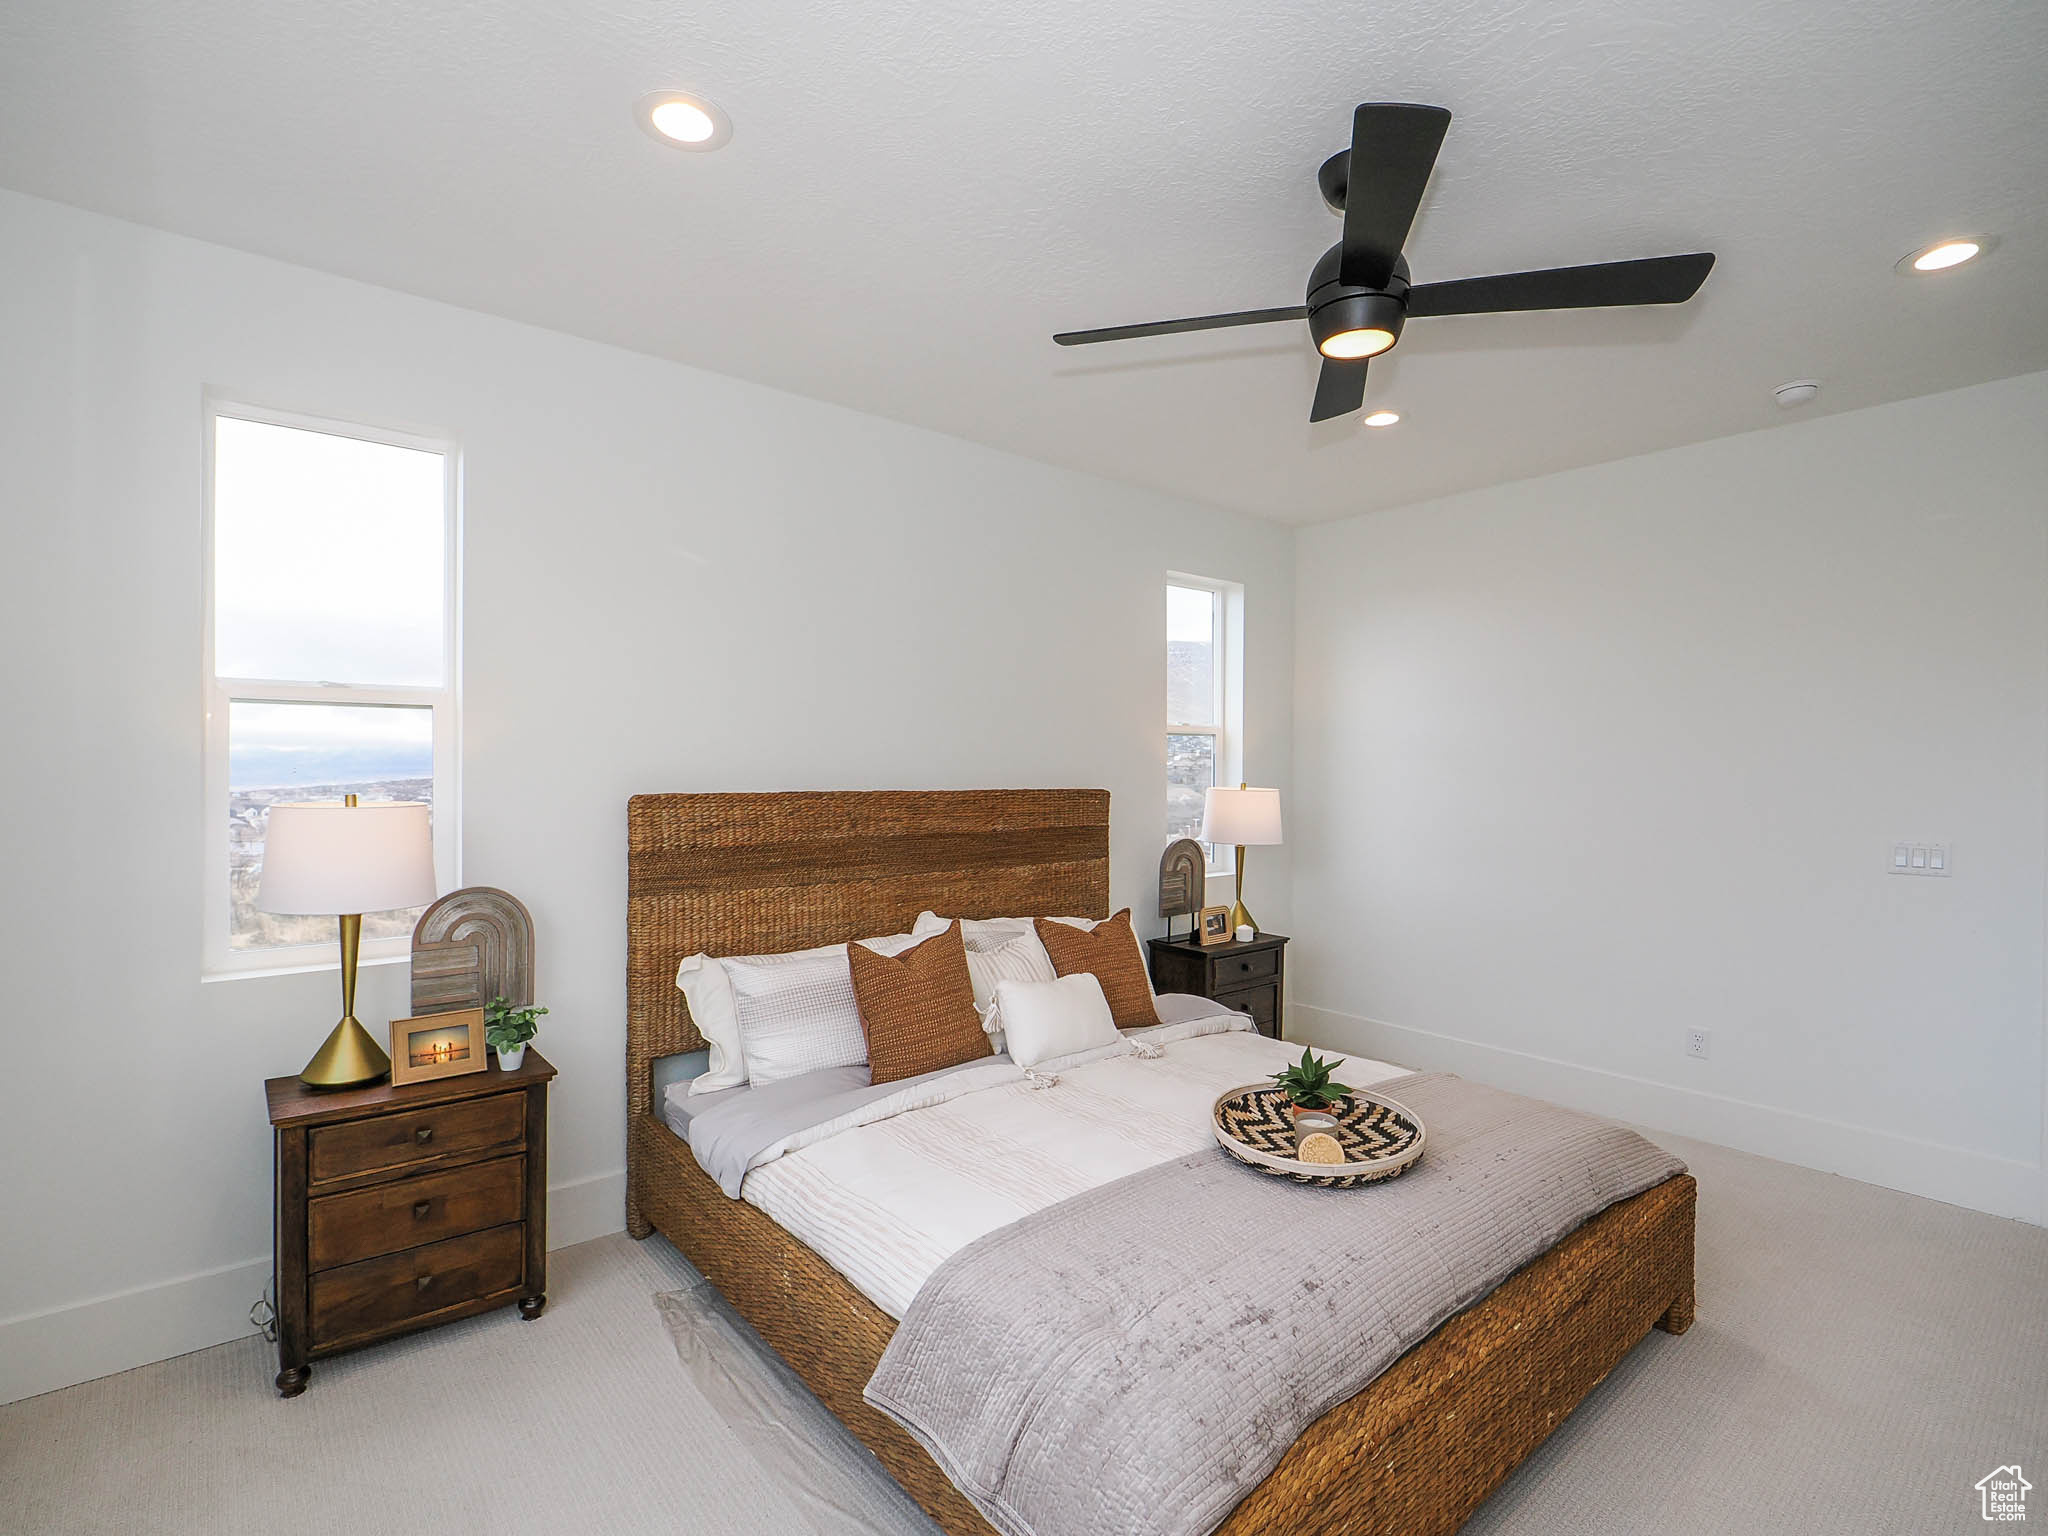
x: 1415, y: 1452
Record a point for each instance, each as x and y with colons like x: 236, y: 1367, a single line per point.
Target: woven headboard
x: 761, y: 873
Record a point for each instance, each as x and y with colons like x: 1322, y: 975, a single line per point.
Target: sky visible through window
x: 1190, y: 700
x: 327, y: 557
x: 328, y: 569
x: 1190, y: 656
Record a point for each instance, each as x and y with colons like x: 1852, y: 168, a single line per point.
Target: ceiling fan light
x: 1367, y: 341
x: 1356, y: 325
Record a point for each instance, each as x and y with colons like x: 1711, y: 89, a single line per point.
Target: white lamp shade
x: 325, y: 858
x: 1245, y: 817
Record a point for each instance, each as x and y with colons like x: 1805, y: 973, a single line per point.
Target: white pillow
x: 792, y: 1013
x: 1021, y: 958
x: 983, y: 933
x: 709, y: 993
x: 1044, y: 1019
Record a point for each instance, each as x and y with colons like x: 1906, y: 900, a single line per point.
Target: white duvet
x: 886, y: 1202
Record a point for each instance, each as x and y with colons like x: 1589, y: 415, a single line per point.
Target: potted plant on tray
x: 507, y: 1029
x: 1309, y: 1087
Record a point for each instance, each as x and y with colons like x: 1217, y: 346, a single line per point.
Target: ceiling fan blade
x: 1654, y: 280
x: 1393, y: 150
x: 1340, y: 388
x: 1174, y: 327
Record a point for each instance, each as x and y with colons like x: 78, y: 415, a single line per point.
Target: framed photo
x: 1214, y: 929
x: 437, y: 1045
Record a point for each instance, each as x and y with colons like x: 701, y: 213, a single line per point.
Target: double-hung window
x: 1204, y: 700
x: 330, y: 655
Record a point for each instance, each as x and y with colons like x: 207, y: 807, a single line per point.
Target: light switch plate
x: 1920, y: 859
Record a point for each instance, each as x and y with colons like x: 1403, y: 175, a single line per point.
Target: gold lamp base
x: 347, y: 1059
x: 1239, y: 917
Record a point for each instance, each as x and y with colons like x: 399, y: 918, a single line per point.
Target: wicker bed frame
x: 1413, y: 1454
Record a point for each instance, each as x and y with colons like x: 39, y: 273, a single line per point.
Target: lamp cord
x: 263, y: 1316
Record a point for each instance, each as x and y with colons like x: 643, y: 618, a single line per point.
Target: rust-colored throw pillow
x: 1109, y: 951
x: 917, y: 1007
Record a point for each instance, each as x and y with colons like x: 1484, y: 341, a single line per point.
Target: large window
x: 1204, y: 707
x: 330, y: 655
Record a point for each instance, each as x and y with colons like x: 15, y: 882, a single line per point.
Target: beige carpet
x: 1861, y: 1359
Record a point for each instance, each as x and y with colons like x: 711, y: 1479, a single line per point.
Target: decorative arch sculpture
x: 470, y: 946
x: 1183, y: 880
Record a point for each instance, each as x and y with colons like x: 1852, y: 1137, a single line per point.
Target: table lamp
x: 1243, y: 817
x: 321, y: 858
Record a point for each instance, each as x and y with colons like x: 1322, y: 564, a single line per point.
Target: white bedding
x: 886, y: 1202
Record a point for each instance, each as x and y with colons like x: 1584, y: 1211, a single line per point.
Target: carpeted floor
x: 1861, y: 1359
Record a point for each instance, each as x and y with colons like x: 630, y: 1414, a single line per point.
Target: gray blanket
x: 1138, y: 1358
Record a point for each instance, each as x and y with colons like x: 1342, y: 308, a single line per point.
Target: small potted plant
x: 1309, y: 1088
x: 507, y: 1029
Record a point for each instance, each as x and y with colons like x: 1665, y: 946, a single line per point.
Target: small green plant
x: 1308, y: 1082
x: 507, y: 1028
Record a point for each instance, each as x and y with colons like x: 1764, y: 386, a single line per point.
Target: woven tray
x: 1381, y: 1138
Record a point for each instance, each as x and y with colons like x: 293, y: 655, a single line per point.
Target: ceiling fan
x: 1359, y: 295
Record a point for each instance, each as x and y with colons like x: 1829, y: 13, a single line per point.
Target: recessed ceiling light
x: 1382, y: 418
x: 1797, y: 393
x: 1943, y: 254
x: 683, y: 121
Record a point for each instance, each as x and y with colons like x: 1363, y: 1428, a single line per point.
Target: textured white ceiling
x: 916, y: 196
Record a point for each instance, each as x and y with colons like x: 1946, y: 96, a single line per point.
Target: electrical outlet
x: 1696, y: 1042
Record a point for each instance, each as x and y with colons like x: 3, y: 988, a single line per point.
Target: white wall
x: 1597, y: 758
x: 675, y: 581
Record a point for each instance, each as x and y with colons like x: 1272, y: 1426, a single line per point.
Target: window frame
x: 1227, y: 678
x: 219, y: 960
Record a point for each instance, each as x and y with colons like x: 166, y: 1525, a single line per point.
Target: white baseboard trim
x: 1983, y: 1182
x: 62, y: 1346
x: 42, y: 1351
x: 586, y: 1208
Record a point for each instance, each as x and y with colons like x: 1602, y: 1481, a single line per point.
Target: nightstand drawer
x: 406, y: 1213
x: 428, y: 1134
x: 1262, y: 1003
x: 401, y: 1288
x: 1240, y: 970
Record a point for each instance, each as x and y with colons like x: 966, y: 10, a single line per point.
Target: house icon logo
x: 2005, y: 1495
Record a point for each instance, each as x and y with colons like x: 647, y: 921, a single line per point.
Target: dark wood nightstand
x: 1248, y: 977
x: 400, y: 1208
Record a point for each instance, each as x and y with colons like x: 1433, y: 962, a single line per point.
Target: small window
x: 1204, y: 684
x: 330, y: 655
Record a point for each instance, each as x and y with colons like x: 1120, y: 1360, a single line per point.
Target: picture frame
x: 435, y: 1045
x: 1212, y: 927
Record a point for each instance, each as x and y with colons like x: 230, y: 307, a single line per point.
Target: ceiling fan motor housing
x: 1335, y: 307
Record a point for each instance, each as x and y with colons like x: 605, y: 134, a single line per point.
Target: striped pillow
x: 989, y: 933
x: 1021, y: 958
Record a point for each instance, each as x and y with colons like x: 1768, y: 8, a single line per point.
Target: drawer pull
x: 423, y: 1281
x: 420, y: 1209
x: 1244, y: 965
x: 423, y: 1135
